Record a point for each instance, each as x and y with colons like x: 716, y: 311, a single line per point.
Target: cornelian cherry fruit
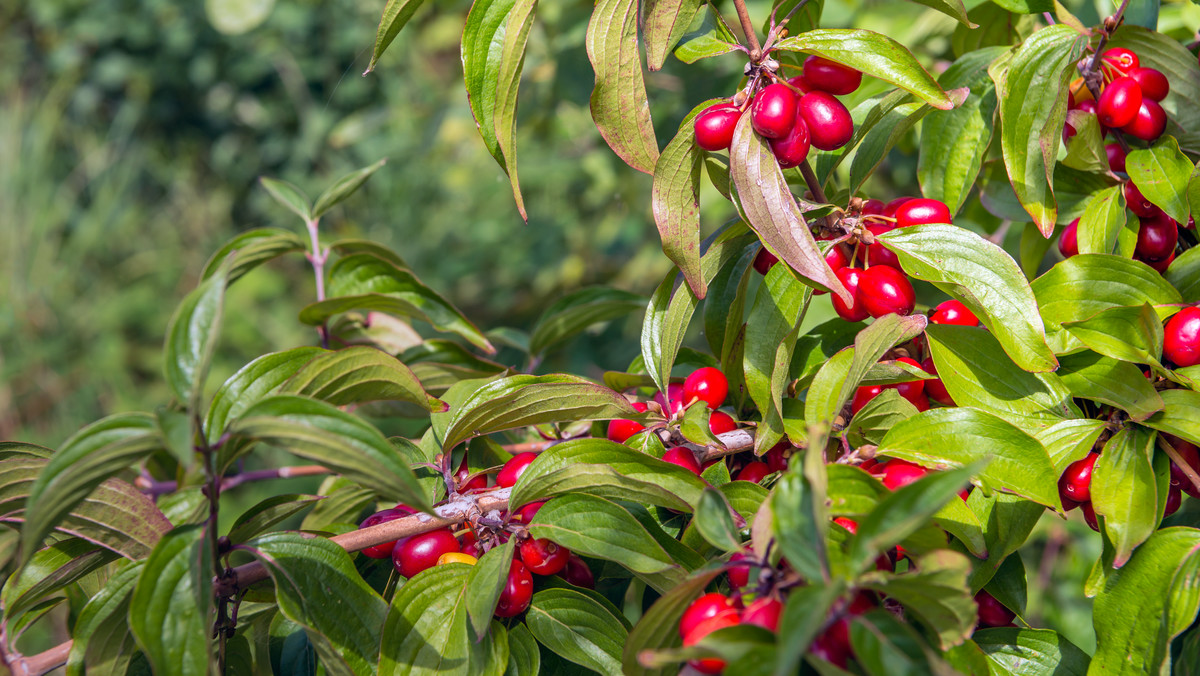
x: 1068, y: 241
x: 1119, y: 60
x: 885, y: 290
x: 714, y: 126
x: 828, y: 76
x: 710, y: 665
x: 992, y: 613
x: 543, y: 557
x: 420, y: 552
x: 773, y: 112
x: 891, y: 208
x: 1076, y: 481
x: 1156, y: 238
x: 900, y: 473
x: 620, y: 429
x: 921, y: 210
x: 753, y: 472
x: 953, y: 312
x: 720, y: 422
x: 707, y: 384
x: 682, y: 457
x: 514, y: 468
x: 856, y: 312
x: 764, y: 261
x: 1138, y: 203
x: 1119, y: 102
x: 1148, y: 123
x: 764, y: 612
x: 460, y: 477
x: 1153, y: 83
x: 384, y: 550
x: 677, y: 401
x: 518, y: 590
x: 828, y: 122
x: 792, y: 148
x: 526, y: 512
x: 1116, y: 156
x: 578, y: 573
x: 704, y: 608
x: 935, y: 388
x: 1181, y: 338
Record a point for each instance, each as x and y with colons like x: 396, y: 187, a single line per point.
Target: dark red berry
x: 1191, y: 457
x: 514, y: 468
x: 936, y: 388
x: 764, y: 612
x: 753, y: 472
x: 764, y: 261
x: 1089, y: 516
x: 791, y: 149
x: 1149, y: 123
x: 460, y: 477
x: 714, y: 127
x: 953, y: 312
x: 620, y: 429
x: 543, y: 557
x: 992, y: 613
x: 739, y: 576
x: 877, y: 253
x: 1119, y: 61
x: 1119, y: 102
x: 1159, y: 266
x: 682, y: 457
x: 709, y: 665
x: 900, y: 473
x: 1076, y: 481
x: 773, y: 112
x: 1116, y: 156
x: 1181, y: 338
x: 707, y: 384
x: 1068, y: 241
x: 920, y: 211
x: 518, y: 589
x: 885, y: 290
x: 704, y: 608
x: 850, y: 278
x: 833, y: 645
x: 872, y: 207
x: 720, y: 423
x: 578, y: 573
x: 1174, y: 500
x: 676, y: 392
x: 383, y: 551
x: 420, y: 552
x: 526, y: 513
x: 828, y: 76
x: 777, y: 460
x: 1156, y: 238
x: 1137, y: 202
x: 829, y: 123
x: 1153, y: 83
x: 892, y: 207
x: 863, y: 395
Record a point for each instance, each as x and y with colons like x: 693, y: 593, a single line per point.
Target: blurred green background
x: 132, y: 135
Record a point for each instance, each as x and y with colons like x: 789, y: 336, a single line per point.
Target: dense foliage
x: 831, y: 497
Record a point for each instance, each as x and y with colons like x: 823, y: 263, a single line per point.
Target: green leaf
x: 1161, y: 172
x: 1124, y: 490
x: 523, y: 656
x: 171, y: 612
x: 1069, y: 440
x: 252, y: 382
x: 877, y: 140
x: 1010, y: 520
x: 102, y: 642
x: 49, y: 570
x: 619, y: 105
x: 1085, y: 285
x: 778, y: 309
x: 317, y: 587
x: 1101, y: 222
x: 659, y: 626
x: 960, y: 521
x: 440, y: 364
x: 714, y: 521
x: 725, y: 308
x: 395, y: 15
x: 426, y: 631
x: 1106, y: 380
x: 366, y: 282
x: 885, y: 645
x: 936, y: 593
x: 1145, y: 604
x: 253, y: 247
x: 359, y: 374
x: 1030, y: 652
x: 338, y: 440
x: 1180, y: 415
x: 344, y: 187
x: 803, y: 618
x: 958, y: 436
x: 770, y: 207
x: 675, y: 194
x: 666, y: 21
x: 1132, y: 334
x: 800, y: 521
x: 983, y: 277
x: 873, y: 54
x: 879, y: 415
x: 267, y: 513
x: 572, y: 314
x: 1032, y: 91
x: 712, y: 38
x: 1085, y: 150
x: 289, y: 196
x: 951, y: 8
x: 493, y: 55
x: 192, y: 338
x: 1184, y: 274
x: 953, y: 142
x: 578, y: 628
x: 485, y: 584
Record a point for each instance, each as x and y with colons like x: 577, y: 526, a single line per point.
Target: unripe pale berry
x: 829, y: 124
x: 773, y: 112
x: 714, y: 127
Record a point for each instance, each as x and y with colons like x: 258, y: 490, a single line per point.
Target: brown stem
x: 41, y: 663
x: 1180, y: 462
x: 748, y: 28
x: 814, y: 185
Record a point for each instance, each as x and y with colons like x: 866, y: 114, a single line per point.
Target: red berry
x: 892, y: 207
x: 419, y: 552
x: 739, y: 576
x: 992, y: 613
x: 1149, y: 123
x: 1174, y: 500
x: 872, y: 207
x: 1116, y: 156
x: 900, y: 473
x: 675, y: 390
x: 1119, y: 60
x: 764, y: 612
x: 885, y: 290
x: 936, y: 388
x: 753, y: 472
x: 1076, y: 481
x: 514, y: 468
x: 850, y: 278
x: 877, y: 253
x: 720, y: 423
x: 863, y: 395
x: 776, y: 457
x: 833, y: 645
x: 620, y: 429
x: 1138, y: 204
x: 460, y: 478
x: 1119, y: 102
x: 828, y: 76
x: 911, y: 390
x: 1068, y: 241
x: 714, y: 127
x: 578, y: 573
x: 829, y: 123
x: 1181, y: 338
x: 384, y: 550
x: 1153, y: 83
x: 707, y: 384
x: 849, y: 524
x: 469, y: 543
x: 704, y: 608
x: 1089, y: 516
x: 1191, y: 457
x: 518, y: 589
x: 682, y: 457
x: 543, y: 557
x: 920, y: 211
x: 1156, y: 238
x: 710, y: 665
x: 792, y: 148
x: 953, y: 312
x: 764, y: 261
x: 1159, y: 266
x: 526, y: 513
x: 773, y: 112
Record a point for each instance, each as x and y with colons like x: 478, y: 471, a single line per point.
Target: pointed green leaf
x: 779, y: 307
x: 712, y: 38
x: 1124, y: 490
x: 102, y: 642
x: 675, y: 197
x: 578, y: 628
x: 619, y: 104
x: 344, y: 187
x: 1184, y: 274
x: 936, y: 593
x: 665, y: 23
x: 426, y: 631
x: 485, y: 584
x: 800, y: 522
x: 171, y: 612
x: 252, y: 382
x: 267, y: 513
x: 1030, y: 652
x: 289, y: 196
x: 1109, y: 381
x: 1102, y: 221
x: 395, y: 15
x: 192, y: 337
x: 253, y: 247
x: 572, y: 314
x: 1161, y: 172
x: 359, y: 374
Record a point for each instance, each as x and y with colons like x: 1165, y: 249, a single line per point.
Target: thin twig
x: 1180, y: 462
x: 41, y: 663
x: 748, y: 29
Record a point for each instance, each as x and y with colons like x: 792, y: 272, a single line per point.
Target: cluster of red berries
x: 1129, y: 98
x: 715, y: 611
x: 793, y: 115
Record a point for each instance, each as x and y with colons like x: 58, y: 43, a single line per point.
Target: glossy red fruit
x: 578, y: 573
x: 419, y: 552
x: 878, y: 254
x: 1156, y: 238
x: 892, y: 207
x: 464, y: 485
x: 828, y: 76
x: 1119, y: 102
x: 514, y: 468
x: 1153, y: 83
x: 764, y: 261
x: 833, y: 645
x: 900, y: 473
x: 1068, y: 241
x: 543, y: 557
x: 863, y: 395
x: 872, y: 207
x: 777, y: 460
x: 953, y: 312
x: 1137, y: 202
x: 1076, y: 481
x: 829, y: 124
x: 720, y: 423
x: 709, y: 665
x: 469, y: 544
x: 383, y: 551
x: 714, y: 127
x: 920, y: 211
x: 936, y: 389
x: 792, y: 149
x: 753, y: 472
x: 518, y: 589
x: 764, y: 612
x: 885, y: 290
x: 849, y: 524
x: 836, y: 258
x: 1159, y: 266
x: 1089, y: 516
x: 913, y: 389
x: 620, y: 429
x: 850, y: 278
x: 1174, y: 500
x: 707, y: 384
x: 1119, y: 61
x: 1181, y: 338
x: 704, y: 608
x: 1149, y: 123
x: 739, y: 575
x: 682, y: 457
x: 526, y: 513
x: 1116, y: 156
x: 773, y: 112
x: 992, y: 613
x: 676, y: 392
